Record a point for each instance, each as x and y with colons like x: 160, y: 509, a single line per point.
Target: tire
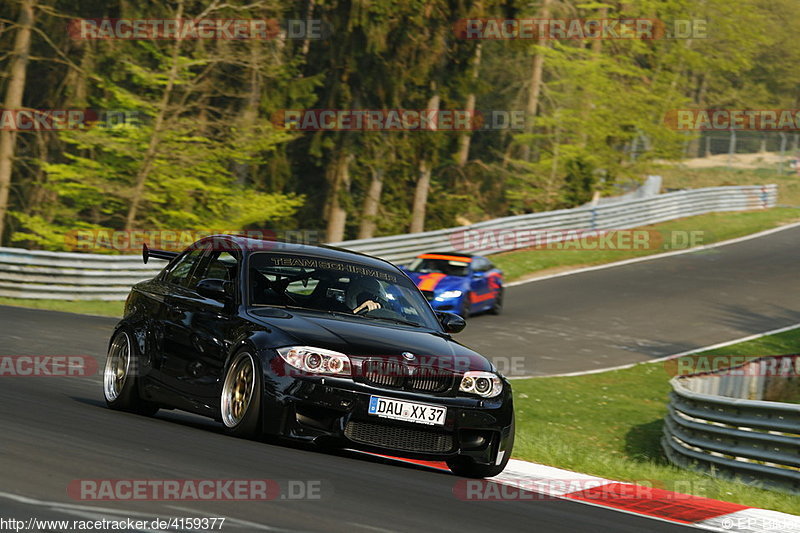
x: 498, y: 303
x: 121, y: 378
x: 463, y: 309
x: 466, y: 467
x: 240, y: 401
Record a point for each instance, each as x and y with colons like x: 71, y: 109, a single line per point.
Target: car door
x: 197, y: 336
x: 479, y: 285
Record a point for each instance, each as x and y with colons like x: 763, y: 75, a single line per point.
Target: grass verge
x: 86, y: 307
x: 609, y: 424
x: 713, y: 227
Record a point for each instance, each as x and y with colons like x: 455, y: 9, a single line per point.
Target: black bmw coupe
x: 312, y: 343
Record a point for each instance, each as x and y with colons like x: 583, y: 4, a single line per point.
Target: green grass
x: 86, y: 307
x: 715, y: 227
x: 609, y: 424
x: 678, y: 177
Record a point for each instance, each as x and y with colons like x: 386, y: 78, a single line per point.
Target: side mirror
x: 216, y: 289
x: 451, y: 322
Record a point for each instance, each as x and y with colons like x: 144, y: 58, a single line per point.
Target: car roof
x: 454, y: 255
x: 252, y: 245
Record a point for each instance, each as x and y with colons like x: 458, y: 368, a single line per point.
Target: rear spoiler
x: 147, y: 253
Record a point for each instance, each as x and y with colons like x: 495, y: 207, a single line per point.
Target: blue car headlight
x: 446, y: 295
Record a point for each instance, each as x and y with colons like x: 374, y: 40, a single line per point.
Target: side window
x: 481, y: 264
x: 216, y: 265
x: 179, y: 274
x: 223, y: 265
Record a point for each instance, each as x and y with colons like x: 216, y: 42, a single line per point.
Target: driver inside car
x: 362, y: 294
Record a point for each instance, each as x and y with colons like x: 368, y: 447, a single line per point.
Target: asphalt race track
x: 645, y: 310
x: 57, y: 430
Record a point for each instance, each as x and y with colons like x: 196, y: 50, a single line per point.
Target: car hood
x: 364, y: 338
x: 436, y: 282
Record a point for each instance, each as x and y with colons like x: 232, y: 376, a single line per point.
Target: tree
x: 13, y: 101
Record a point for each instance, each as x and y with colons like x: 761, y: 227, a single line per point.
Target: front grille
x: 384, y: 373
x: 396, y: 375
x: 398, y: 438
x: 428, y: 379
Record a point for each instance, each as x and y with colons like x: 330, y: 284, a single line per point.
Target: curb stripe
x: 659, y: 504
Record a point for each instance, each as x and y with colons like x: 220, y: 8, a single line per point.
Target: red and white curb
x: 522, y: 477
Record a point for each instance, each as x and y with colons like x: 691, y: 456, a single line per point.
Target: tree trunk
x: 537, y: 65
x: 423, y: 177
x: 13, y: 100
x: 155, y: 138
x: 339, y: 179
x: 244, y: 171
x: 420, y: 197
x: 462, y: 156
x: 369, y: 209
x: 694, y: 144
x: 588, y: 96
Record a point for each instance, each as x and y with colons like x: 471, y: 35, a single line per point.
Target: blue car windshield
x: 338, y: 287
x: 443, y: 266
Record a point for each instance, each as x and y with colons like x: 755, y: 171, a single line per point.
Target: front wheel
x: 463, y: 309
x: 120, y: 378
x: 240, y: 403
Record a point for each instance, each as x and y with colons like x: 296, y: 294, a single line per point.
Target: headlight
x: 449, y: 294
x: 483, y: 384
x: 316, y: 360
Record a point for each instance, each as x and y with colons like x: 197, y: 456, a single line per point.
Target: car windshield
x: 340, y: 288
x: 450, y: 267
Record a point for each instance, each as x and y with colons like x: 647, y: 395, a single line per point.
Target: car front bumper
x: 335, y: 410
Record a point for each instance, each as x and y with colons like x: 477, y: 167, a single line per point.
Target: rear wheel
x: 120, y: 378
x: 240, y: 403
x: 498, y: 303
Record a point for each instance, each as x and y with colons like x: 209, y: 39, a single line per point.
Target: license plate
x: 420, y: 413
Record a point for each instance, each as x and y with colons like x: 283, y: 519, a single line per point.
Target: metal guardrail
x: 77, y: 276
x: 716, y: 423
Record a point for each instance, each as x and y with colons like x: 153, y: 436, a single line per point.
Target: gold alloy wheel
x: 237, y: 391
x: 117, y: 367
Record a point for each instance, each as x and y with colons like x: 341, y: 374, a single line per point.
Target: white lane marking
x: 236, y: 521
x: 655, y: 256
x: 85, y: 511
x: 373, y: 528
x: 667, y: 357
x: 93, y: 512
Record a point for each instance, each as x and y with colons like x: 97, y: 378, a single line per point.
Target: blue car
x: 458, y: 283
